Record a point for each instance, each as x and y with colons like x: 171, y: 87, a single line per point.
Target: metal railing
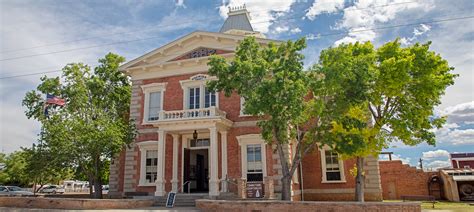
x: 182, y: 186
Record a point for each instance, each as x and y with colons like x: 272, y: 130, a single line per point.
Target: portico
x: 208, y: 123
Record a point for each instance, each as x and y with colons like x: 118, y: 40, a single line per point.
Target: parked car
x: 14, y: 191
x: 105, y: 189
x: 52, y: 189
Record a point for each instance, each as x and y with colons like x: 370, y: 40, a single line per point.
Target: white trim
x: 143, y: 147
x: 198, y: 34
x: 242, y: 114
x: 245, y: 140
x: 194, y: 83
x: 323, y: 167
x: 224, y: 161
x: 147, y: 89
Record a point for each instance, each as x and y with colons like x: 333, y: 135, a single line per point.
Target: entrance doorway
x: 196, y: 170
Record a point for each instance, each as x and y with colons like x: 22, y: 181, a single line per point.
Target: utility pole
x: 421, y: 164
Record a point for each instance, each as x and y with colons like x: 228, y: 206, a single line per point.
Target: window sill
x: 144, y: 122
x: 338, y: 181
x: 244, y: 115
x: 146, y: 184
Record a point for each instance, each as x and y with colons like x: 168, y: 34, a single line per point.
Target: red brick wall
x: 462, y: 164
x: 400, y: 179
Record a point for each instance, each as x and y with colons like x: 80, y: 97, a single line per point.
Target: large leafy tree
x: 373, y: 96
x: 273, y: 82
x: 93, y: 125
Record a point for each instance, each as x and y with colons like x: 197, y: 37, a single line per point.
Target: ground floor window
x: 151, y: 165
x: 254, y: 162
x: 333, y: 167
x: 252, y: 148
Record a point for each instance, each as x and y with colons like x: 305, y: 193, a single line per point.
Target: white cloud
x: 180, y: 3
x: 417, y: 32
x: 263, y: 12
x: 436, y: 154
x: 437, y: 164
x: 55, y: 26
x: 279, y: 29
x: 458, y: 130
x: 295, y: 30
x: 282, y: 29
x: 324, y: 6
x: 405, y: 160
x: 367, y: 14
x: 359, y: 34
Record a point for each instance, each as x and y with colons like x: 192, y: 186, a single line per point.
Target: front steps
x: 186, y: 200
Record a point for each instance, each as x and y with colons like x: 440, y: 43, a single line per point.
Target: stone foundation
x: 277, y: 206
x: 62, y: 203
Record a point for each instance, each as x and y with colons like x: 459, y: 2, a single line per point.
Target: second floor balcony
x: 185, y: 115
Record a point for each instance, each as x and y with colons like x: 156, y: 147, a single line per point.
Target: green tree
x: 272, y: 81
x: 15, y: 169
x: 372, y: 96
x: 93, y: 126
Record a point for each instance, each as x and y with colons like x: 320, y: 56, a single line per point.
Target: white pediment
x: 188, y: 54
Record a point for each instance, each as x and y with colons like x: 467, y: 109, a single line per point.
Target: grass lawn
x: 446, y: 206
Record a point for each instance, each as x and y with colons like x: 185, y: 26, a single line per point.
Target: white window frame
x: 200, y: 81
x: 323, y: 167
x: 143, y: 147
x: 251, y: 139
x: 151, y: 88
x: 242, y: 102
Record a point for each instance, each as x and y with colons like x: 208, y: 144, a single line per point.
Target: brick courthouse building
x: 193, y: 140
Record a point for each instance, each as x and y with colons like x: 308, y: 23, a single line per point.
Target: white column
x: 160, y: 175
x: 224, y: 161
x: 174, y: 180
x: 213, y: 157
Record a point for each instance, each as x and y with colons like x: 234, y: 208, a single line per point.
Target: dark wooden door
x: 186, y: 163
x: 200, y: 173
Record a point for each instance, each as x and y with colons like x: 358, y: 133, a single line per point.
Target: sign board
x: 255, y: 190
x: 170, y: 200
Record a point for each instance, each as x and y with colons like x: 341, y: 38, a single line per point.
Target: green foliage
x: 93, y: 126
x: 372, y: 96
x: 272, y: 82
x: 15, y: 172
x: 274, y: 85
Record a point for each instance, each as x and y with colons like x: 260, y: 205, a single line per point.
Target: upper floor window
x: 209, y: 98
x: 333, y: 166
x: 154, y: 106
x: 242, y: 107
x: 153, y: 102
x: 196, y: 95
x: 194, y: 98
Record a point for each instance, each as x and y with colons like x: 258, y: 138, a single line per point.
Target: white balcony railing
x: 210, y: 112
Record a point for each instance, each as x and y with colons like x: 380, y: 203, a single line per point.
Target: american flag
x: 51, y: 99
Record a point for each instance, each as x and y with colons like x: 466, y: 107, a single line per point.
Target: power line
x: 323, y: 35
x: 160, y: 26
x: 154, y: 37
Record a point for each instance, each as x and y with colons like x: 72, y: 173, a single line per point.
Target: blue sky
x: 43, y: 36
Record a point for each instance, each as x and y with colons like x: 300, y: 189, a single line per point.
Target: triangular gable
x: 200, y: 52
x: 164, y: 51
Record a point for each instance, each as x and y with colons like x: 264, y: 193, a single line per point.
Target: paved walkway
x: 192, y: 209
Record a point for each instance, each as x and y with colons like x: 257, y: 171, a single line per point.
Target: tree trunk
x: 360, y: 180
x: 91, y: 183
x: 285, y: 170
x: 97, y: 189
x: 97, y: 179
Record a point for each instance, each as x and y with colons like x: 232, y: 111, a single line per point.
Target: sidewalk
x: 176, y: 209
